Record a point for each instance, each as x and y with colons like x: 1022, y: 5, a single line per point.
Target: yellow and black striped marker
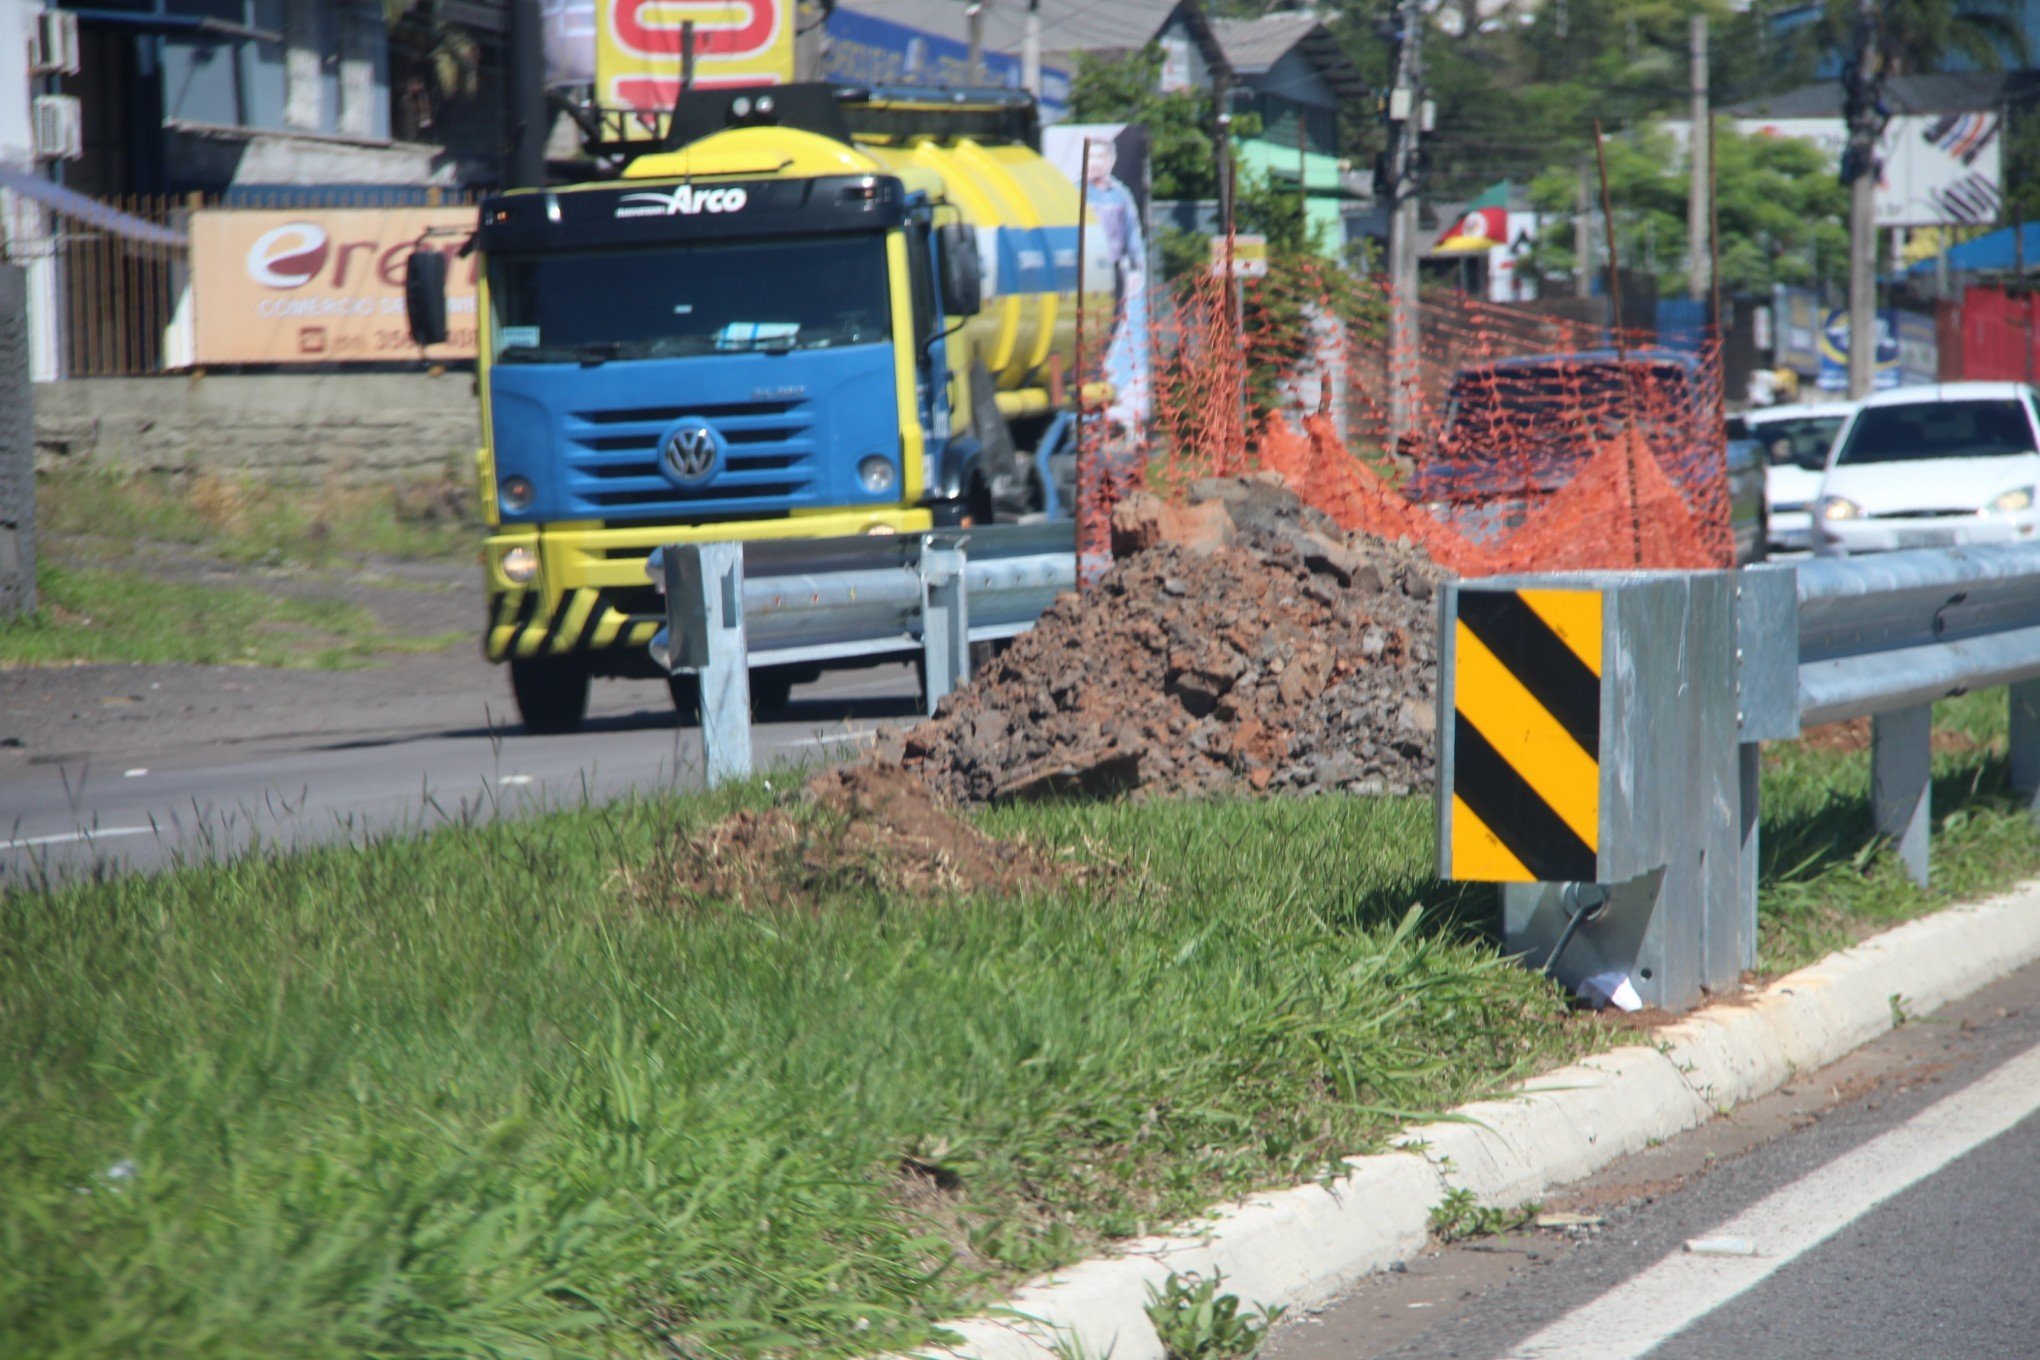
x: 523, y: 624
x: 1526, y: 736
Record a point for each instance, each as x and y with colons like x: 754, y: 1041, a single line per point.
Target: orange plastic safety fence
x: 1524, y: 441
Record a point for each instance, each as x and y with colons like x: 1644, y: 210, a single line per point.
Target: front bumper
x: 591, y: 593
x: 1791, y: 530
x: 1843, y: 537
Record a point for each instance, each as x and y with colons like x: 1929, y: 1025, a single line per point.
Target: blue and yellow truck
x: 803, y: 312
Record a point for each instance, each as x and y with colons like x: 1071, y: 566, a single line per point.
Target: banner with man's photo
x: 1109, y: 164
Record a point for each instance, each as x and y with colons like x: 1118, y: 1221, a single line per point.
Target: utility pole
x: 1221, y: 102
x: 1583, y: 234
x: 1030, y: 50
x: 1405, y: 122
x: 524, y: 92
x: 1863, y: 97
x: 1699, y: 150
x: 974, y: 14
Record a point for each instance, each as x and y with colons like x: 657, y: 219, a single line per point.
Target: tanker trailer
x: 803, y: 313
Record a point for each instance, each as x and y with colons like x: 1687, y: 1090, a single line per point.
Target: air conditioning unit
x: 59, y: 128
x: 53, y: 44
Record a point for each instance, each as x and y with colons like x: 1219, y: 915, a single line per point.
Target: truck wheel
x: 551, y: 691
x: 685, y: 688
x: 771, y: 691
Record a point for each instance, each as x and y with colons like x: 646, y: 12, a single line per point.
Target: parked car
x: 1517, y: 430
x: 1933, y: 467
x: 1795, y: 441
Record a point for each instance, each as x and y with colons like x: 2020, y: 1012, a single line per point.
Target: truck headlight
x: 1840, y: 507
x: 519, y: 565
x: 876, y: 472
x: 518, y: 494
x: 2018, y: 498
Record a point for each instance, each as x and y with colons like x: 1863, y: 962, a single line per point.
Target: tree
x: 1923, y: 35
x: 1124, y: 90
x: 433, y: 63
x: 1783, y: 213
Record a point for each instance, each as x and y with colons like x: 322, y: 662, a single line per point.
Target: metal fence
x: 119, y: 302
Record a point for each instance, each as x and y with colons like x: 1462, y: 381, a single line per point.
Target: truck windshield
x: 708, y: 297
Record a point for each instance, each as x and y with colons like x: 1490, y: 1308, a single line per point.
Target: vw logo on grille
x: 690, y: 451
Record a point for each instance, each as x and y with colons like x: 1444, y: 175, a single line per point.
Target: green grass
x: 245, y: 521
x: 89, y: 614
x: 1827, y: 882
x: 466, y: 1094
x: 494, y: 1092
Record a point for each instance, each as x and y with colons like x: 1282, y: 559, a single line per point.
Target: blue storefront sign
x: 1908, y: 351
x: 867, y: 51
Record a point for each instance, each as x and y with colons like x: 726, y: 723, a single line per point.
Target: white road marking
x: 99, y: 834
x: 834, y: 738
x: 1656, y: 1305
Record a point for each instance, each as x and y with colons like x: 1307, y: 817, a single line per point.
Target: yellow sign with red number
x: 638, y: 47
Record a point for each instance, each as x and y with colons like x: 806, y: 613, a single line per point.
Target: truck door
x: 931, y: 381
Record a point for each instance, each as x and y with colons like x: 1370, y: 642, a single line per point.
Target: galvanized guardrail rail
x: 734, y: 606
x: 1599, y: 736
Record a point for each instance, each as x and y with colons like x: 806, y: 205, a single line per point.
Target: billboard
x: 1937, y: 169
x: 320, y: 285
x: 736, y: 42
x: 1908, y: 350
x: 863, y: 50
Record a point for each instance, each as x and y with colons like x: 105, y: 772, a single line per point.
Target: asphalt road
x: 1887, y: 1206
x: 299, y: 766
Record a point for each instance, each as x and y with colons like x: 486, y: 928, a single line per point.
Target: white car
x: 1795, y: 441
x: 1932, y: 467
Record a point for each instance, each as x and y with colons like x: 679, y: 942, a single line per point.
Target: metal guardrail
x: 1616, y: 754
x: 1884, y: 636
x: 734, y: 606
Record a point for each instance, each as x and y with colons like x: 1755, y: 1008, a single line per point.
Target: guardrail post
x: 1901, y: 782
x: 945, y: 615
x: 1766, y: 709
x: 1587, y: 763
x: 2025, y: 741
x: 705, y: 634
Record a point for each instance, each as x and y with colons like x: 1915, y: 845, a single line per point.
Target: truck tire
x: 771, y: 692
x: 551, y: 692
x: 684, y: 687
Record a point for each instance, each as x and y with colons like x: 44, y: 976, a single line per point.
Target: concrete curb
x: 1304, y: 1246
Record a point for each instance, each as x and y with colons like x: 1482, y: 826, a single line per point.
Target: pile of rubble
x: 855, y: 829
x: 1240, y: 642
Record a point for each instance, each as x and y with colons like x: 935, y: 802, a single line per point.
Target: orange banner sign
x: 321, y: 285
x: 736, y: 42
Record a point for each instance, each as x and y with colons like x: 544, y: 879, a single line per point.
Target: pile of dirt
x: 866, y: 827
x: 1242, y: 641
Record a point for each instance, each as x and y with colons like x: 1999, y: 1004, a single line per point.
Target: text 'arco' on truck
x: 801, y: 313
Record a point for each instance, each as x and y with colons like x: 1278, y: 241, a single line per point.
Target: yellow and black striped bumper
x: 525, y: 623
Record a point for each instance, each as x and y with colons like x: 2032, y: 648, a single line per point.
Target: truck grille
x: 613, y: 460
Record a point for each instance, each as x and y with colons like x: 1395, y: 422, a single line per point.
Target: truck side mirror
x: 425, y: 296
x: 962, y: 276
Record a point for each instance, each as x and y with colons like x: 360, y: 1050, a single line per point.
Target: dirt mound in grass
x: 856, y: 829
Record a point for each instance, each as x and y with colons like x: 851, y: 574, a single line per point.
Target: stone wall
x: 287, y: 427
x: 17, y: 475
